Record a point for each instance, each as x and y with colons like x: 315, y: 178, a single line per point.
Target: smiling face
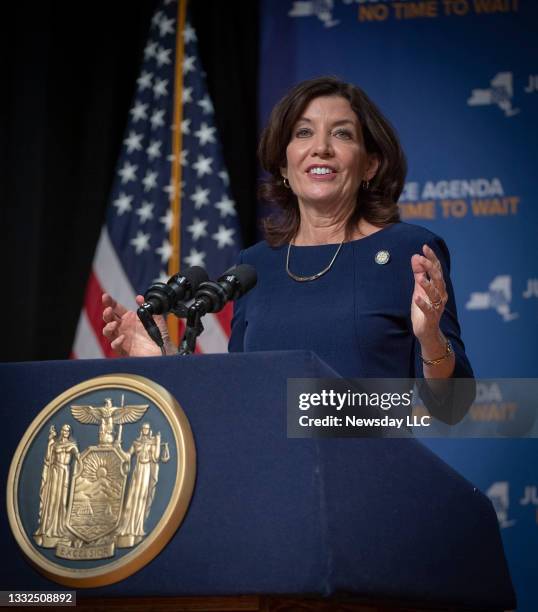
x: 326, y: 156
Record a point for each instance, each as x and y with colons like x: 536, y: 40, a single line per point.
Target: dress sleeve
x: 236, y: 342
x: 452, y: 405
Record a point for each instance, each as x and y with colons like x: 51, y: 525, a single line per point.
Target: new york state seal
x: 101, y: 480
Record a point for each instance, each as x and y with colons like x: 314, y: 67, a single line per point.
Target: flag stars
x: 198, y: 228
x: 188, y: 64
x: 189, y: 35
x: 141, y: 242
x: 182, y: 158
x: 150, y: 180
x: 209, y: 212
x: 123, y: 203
x: 200, y: 197
x: 205, y: 134
x: 203, y: 166
x: 195, y: 258
x: 144, y: 80
x: 128, y: 172
x: 157, y: 119
x: 186, y: 127
x: 206, y: 105
x: 187, y: 95
x: 163, y: 56
x: 171, y: 189
x: 224, y: 236
x: 165, y: 251
x: 159, y: 89
x: 154, y: 149
x: 145, y: 212
x: 166, y: 26
x: 139, y: 111
x: 133, y: 142
x: 150, y: 50
x: 167, y: 220
x: 223, y: 175
x: 226, y: 207
x: 156, y: 19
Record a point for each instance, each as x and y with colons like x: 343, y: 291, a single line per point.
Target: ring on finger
x: 436, y: 305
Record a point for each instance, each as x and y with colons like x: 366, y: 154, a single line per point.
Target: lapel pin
x: 382, y: 257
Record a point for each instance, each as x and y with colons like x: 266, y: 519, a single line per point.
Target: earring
x: 286, y: 182
x: 366, y: 185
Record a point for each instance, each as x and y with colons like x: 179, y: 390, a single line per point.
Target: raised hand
x: 126, y: 334
x: 427, y: 306
x: 429, y: 295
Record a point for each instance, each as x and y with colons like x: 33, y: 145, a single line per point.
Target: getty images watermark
x: 384, y: 401
x: 412, y: 407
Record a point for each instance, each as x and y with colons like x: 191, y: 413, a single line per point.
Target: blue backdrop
x: 459, y: 81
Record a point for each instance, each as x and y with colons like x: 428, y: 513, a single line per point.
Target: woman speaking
x: 338, y: 273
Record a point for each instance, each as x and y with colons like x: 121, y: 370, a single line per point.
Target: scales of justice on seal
x: 100, y: 478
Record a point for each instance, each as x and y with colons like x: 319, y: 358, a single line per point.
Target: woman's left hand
x: 429, y: 295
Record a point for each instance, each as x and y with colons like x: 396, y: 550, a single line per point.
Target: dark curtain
x: 70, y: 72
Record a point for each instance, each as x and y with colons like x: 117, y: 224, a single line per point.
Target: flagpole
x: 175, y: 200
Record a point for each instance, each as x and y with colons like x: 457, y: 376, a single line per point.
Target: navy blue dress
x: 357, y: 317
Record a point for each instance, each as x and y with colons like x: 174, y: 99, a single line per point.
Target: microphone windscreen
x: 195, y: 276
x: 245, y: 276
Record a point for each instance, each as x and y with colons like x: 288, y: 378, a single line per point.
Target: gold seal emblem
x: 101, y: 480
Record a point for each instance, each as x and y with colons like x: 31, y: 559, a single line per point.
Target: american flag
x: 171, y: 112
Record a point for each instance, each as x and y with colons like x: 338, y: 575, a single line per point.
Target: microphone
x: 213, y: 296
x: 161, y: 298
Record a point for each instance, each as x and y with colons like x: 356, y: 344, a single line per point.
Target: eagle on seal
x: 107, y: 416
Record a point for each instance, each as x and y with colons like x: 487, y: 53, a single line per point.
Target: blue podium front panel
x: 377, y: 518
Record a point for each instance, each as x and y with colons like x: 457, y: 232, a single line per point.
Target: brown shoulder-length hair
x: 377, y: 204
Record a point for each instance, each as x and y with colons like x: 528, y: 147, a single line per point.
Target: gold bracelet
x: 432, y: 362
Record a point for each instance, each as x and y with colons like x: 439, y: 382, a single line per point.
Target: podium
x: 376, y: 520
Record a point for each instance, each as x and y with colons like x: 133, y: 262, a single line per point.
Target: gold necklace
x: 304, y: 279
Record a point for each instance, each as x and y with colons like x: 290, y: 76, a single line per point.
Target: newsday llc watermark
x: 500, y: 408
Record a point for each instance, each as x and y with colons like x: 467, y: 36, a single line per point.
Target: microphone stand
x: 193, y: 328
x: 211, y: 297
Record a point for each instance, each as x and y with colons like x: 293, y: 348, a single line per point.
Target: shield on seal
x: 97, y: 492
